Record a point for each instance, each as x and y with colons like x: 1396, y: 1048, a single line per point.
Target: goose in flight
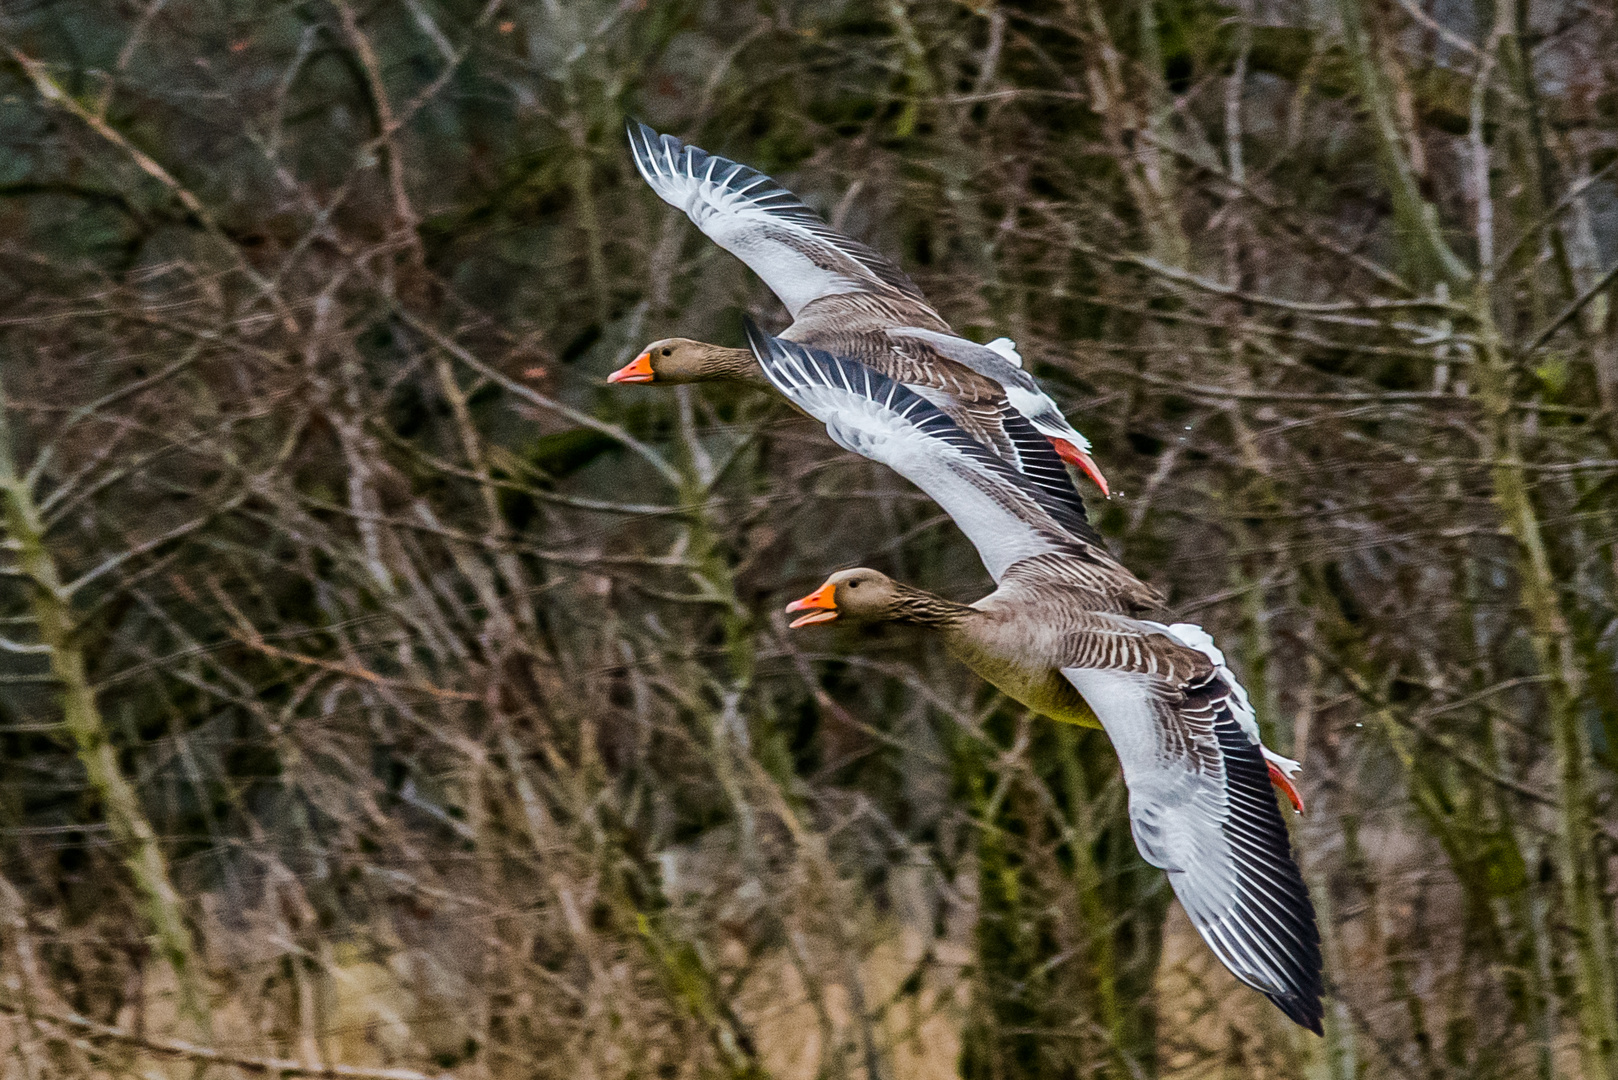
x: 1200, y: 805
x: 1063, y: 634
x: 847, y: 299
x: 1011, y: 519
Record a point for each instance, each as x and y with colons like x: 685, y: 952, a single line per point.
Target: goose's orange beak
x: 820, y: 604
x: 1082, y: 462
x: 637, y: 370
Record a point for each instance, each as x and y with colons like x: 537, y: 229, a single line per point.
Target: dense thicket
x: 377, y: 688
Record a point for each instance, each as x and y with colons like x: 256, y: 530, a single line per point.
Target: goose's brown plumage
x: 845, y: 299
x: 1199, y: 801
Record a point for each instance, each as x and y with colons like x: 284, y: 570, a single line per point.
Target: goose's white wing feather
x: 1005, y: 516
x: 798, y: 255
x: 1200, y: 807
x: 1006, y: 348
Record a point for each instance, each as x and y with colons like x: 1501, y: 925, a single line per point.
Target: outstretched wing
x: 1005, y: 515
x: 1201, y: 808
x: 770, y: 229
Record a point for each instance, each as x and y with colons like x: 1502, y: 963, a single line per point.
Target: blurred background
x: 378, y: 689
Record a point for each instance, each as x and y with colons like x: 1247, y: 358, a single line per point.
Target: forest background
x: 382, y: 696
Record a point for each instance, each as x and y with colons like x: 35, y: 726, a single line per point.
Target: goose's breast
x: 1025, y: 675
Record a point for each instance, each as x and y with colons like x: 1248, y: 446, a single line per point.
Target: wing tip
x: 642, y: 143
x: 640, y: 134
x: 647, y: 145
x: 1305, y: 1010
x: 1279, y: 915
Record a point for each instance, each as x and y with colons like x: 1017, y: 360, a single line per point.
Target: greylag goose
x: 1015, y: 523
x: 1061, y: 634
x: 1200, y: 805
x: 844, y: 298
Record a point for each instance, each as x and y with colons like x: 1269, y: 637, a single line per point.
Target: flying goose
x: 1062, y: 634
x: 1015, y: 522
x: 1200, y: 805
x: 844, y: 298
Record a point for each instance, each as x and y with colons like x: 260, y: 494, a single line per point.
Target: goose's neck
x: 917, y: 607
x: 733, y: 365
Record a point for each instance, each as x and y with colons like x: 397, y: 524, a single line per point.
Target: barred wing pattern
x: 835, y: 287
x: 1201, y: 808
x: 799, y: 256
x: 1000, y: 361
x: 1007, y: 516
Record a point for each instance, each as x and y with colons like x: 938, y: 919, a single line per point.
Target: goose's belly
x: 1042, y: 689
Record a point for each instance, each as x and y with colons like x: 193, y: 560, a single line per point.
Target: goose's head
x: 682, y: 360
x: 859, y: 595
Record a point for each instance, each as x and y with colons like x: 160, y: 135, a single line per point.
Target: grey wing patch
x: 980, y: 358
x: 1019, y: 388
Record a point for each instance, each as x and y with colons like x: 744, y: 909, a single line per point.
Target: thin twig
x: 47, y: 1022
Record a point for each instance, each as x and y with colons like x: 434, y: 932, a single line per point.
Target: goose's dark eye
x: 853, y: 584
x: 667, y: 351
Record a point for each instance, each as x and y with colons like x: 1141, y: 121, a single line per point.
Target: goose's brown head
x: 859, y: 595
x: 682, y: 360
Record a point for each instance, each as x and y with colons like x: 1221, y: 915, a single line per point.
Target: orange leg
x: 1080, y: 461
x: 1279, y: 779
